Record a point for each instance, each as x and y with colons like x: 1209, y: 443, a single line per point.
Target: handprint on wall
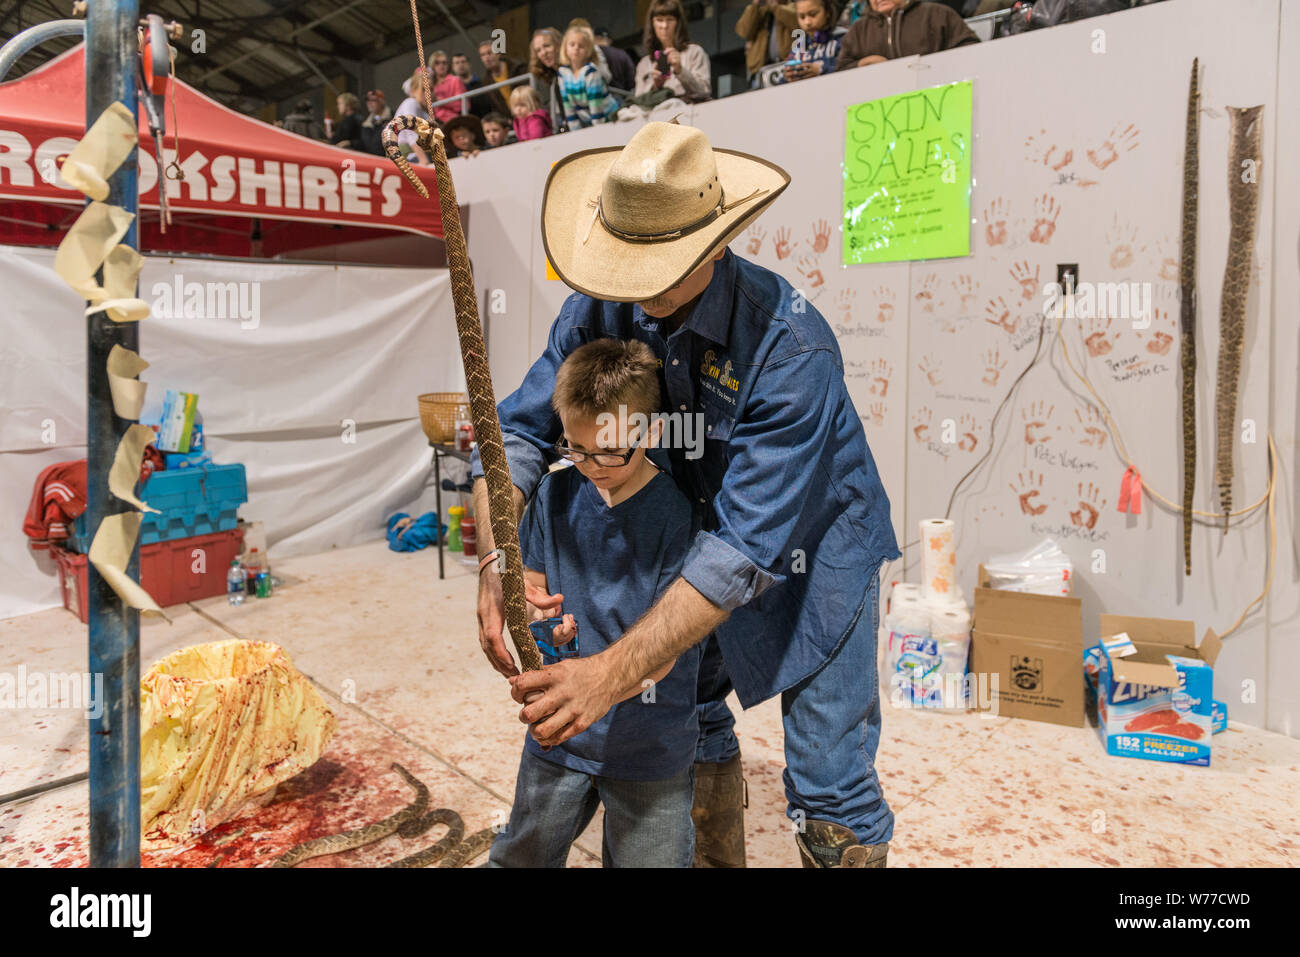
x: 1091, y: 430
x: 1027, y: 488
x: 880, y: 373
x: 1099, y: 339
x: 808, y: 269
x: 932, y: 369
x: 1090, y: 505
x: 1046, y: 212
x: 1121, y: 238
x: 1027, y: 280
x: 1164, y: 257
x: 845, y: 301
x: 756, y: 236
x: 1038, y: 419
x: 1159, y: 338
x: 926, y: 296
x: 993, y: 366
x: 821, y: 236
x: 998, y: 313
x: 1039, y: 150
x: 781, y: 242
x: 966, y: 429
x: 876, y: 411
x: 1118, y: 140
x: 966, y: 287
x: 995, y: 222
x: 884, y: 304
x: 921, y: 423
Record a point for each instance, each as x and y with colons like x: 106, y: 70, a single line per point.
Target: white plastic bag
x: 1042, y: 570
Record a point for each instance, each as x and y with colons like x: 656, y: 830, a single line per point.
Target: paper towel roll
x: 938, y: 556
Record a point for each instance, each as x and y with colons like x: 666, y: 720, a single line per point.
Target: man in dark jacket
x: 899, y: 28
x: 622, y: 70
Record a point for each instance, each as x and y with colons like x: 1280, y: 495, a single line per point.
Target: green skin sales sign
x: 907, y: 176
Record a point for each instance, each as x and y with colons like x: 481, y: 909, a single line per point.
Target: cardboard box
x: 1156, y: 704
x: 1030, y: 647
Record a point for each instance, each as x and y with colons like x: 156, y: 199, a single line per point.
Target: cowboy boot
x: 826, y: 844
x: 719, y: 814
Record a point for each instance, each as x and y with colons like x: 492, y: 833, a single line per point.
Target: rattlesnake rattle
x: 408, y: 822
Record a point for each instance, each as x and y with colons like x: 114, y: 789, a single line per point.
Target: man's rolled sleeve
x: 527, y: 464
x: 723, y: 575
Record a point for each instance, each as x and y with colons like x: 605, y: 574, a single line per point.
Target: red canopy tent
x: 306, y: 194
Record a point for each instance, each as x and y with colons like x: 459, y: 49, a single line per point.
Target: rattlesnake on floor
x: 453, y: 849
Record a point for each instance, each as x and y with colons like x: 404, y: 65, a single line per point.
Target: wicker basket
x: 439, y: 412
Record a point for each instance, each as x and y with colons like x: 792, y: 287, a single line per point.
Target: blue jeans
x: 832, y: 730
x: 717, y: 724
x: 647, y: 823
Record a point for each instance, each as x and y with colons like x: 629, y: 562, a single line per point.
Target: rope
x: 478, y: 382
x: 1269, y: 496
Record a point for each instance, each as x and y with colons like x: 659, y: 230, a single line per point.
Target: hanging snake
x: 1244, y: 141
x: 478, y: 380
x: 453, y: 849
x: 1187, y: 303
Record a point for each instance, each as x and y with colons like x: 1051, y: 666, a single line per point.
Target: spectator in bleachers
x: 622, y: 68
x: 302, y: 122
x: 413, y: 105
x: 853, y: 11
x: 899, y: 28
x: 478, y: 105
x: 347, y: 131
x: 465, y: 136
x: 531, y: 121
x: 674, y: 71
x: 584, y: 97
x: 768, y: 28
x: 372, y: 128
x: 497, y: 131
x: 498, y: 67
x: 815, y: 51
x: 543, y: 67
x: 598, y: 53
x: 445, y: 84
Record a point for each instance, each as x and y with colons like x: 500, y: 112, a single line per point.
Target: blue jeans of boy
x: 647, y: 823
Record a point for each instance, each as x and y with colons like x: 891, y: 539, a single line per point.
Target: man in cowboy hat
x: 781, y: 581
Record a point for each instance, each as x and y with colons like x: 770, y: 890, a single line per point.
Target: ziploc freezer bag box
x: 177, y: 425
x: 1156, y: 704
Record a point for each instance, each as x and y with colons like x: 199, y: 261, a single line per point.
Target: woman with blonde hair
x: 413, y: 105
x: 544, y: 70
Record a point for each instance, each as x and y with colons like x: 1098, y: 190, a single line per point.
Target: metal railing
x: 464, y: 98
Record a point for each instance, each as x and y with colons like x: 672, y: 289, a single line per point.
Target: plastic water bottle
x: 235, y: 587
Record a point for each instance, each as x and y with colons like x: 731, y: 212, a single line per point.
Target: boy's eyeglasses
x: 609, y: 460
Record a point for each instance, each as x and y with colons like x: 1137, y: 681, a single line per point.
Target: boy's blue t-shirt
x: 611, y: 564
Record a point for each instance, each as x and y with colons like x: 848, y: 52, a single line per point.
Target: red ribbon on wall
x: 1130, y: 491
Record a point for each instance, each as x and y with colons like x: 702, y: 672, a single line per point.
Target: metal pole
x: 111, y: 49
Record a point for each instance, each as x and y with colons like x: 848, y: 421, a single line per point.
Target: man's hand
x: 491, y: 603
x: 574, y: 695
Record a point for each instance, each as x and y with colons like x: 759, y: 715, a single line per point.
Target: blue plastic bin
x: 191, y: 501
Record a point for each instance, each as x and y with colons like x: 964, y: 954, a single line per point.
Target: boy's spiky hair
x: 603, y: 375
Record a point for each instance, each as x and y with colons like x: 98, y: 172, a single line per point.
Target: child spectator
x: 584, y: 97
x: 497, y: 131
x: 466, y: 135
x: 610, y: 534
x: 532, y: 121
x: 413, y: 105
x: 815, y: 50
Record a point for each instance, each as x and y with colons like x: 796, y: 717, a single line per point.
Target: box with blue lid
x: 190, y: 501
x: 1157, y: 702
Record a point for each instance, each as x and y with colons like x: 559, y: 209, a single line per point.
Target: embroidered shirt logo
x: 710, y: 370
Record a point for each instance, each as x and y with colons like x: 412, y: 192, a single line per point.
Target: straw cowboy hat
x: 626, y: 224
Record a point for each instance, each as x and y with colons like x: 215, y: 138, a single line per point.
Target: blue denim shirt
x: 793, y: 518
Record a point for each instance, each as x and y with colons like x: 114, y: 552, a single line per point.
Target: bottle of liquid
x: 263, y: 583
x: 235, y: 587
x: 252, y: 569
x: 469, y: 536
x: 455, y: 514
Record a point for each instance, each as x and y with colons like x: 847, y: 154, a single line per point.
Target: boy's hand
x: 491, y: 617
x: 566, y: 631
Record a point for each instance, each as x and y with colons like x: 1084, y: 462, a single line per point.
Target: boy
x: 609, y: 534
x: 496, y: 130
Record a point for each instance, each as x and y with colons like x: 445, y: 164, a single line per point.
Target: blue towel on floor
x: 421, y: 533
